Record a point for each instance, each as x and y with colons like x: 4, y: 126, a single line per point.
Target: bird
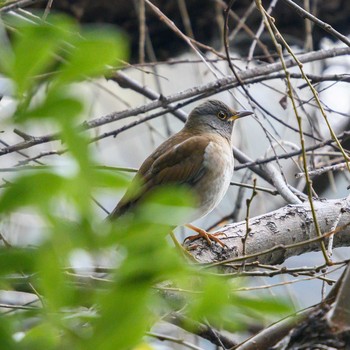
x: 199, y: 156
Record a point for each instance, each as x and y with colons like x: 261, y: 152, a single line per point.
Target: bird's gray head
x: 214, y: 116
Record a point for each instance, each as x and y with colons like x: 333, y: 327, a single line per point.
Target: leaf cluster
x: 47, y: 59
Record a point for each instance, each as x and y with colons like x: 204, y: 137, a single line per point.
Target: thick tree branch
x: 277, y: 235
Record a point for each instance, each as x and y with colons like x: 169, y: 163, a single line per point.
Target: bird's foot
x: 209, y: 237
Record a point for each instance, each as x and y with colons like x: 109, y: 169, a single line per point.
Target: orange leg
x: 209, y: 237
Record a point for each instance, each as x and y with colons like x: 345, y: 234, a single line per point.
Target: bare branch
x: 327, y: 27
x: 290, y: 226
x: 205, y: 90
x: 324, y: 169
x: 204, y: 331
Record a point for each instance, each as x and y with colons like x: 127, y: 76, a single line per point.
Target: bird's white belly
x: 218, y: 161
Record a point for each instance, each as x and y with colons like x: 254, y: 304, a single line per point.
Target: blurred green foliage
x: 115, y: 314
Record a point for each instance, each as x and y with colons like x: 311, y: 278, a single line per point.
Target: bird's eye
x: 222, y: 115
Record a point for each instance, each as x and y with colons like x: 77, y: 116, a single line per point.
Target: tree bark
x: 278, y: 233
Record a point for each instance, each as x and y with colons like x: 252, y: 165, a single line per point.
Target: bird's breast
x: 218, y: 163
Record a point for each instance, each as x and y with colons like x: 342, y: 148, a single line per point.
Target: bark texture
x: 278, y: 229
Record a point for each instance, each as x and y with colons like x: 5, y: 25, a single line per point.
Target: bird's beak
x: 240, y: 114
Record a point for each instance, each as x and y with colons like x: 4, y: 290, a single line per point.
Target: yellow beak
x: 240, y: 114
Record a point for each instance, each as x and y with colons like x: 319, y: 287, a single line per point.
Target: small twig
x: 269, y: 22
x: 47, y: 9
x: 163, y: 337
x: 100, y: 205
x: 31, y: 286
x: 284, y: 283
x: 19, y: 307
x: 322, y: 170
x: 6, y: 243
x: 260, y: 31
x: 227, y: 51
x: 25, y: 136
x: 276, y: 271
x: 325, y: 26
x: 257, y: 188
x: 45, y: 167
x: 241, y: 24
x: 142, y: 29
x: 23, y: 162
x: 200, y: 329
x: 207, y: 89
x: 114, y: 168
x: 125, y: 81
x: 179, y: 33
x: 248, y: 204
x: 185, y: 18
x: 235, y: 215
x: 243, y: 158
x: 313, y: 90
x: 308, y: 45
x: 247, y: 164
x: 20, y: 153
x: 18, y: 4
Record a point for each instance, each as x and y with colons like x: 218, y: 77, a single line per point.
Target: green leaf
x: 92, y: 53
x: 6, y: 335
x: 31, y: 190
x: 53, y: 283
x: 110, y: 179
x: 264, y: 304
x: 42, y: 336
x: 211, y: 300
x: 56, y: 106
x: 168, y: 205
x: 34, y: 46
x: 16, y: 260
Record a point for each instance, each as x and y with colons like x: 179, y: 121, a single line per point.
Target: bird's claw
x: 209, y: 237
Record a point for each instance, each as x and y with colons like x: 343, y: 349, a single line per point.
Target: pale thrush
x: 198, y: 156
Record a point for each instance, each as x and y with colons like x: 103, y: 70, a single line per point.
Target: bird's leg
x: 209, y: 237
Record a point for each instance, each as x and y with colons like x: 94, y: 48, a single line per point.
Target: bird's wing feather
x: 173, y: 162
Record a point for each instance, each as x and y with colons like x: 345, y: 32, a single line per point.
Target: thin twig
x: 207, y: 89
x: 247, y: 228
x: 18, y: 4
x: 47, y: 9
x: 200, y: 329
x: 257, y: 188
x: 163, y: 337
x: 325, y: 26
x: 178, y: 32
x: 142, y: 29
x: 328, y: 142
x: 269, y: 22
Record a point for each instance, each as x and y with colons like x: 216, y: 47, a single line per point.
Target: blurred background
x: 162, y: 61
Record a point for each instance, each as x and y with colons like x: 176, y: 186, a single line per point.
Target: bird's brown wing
x: 177, y: 161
